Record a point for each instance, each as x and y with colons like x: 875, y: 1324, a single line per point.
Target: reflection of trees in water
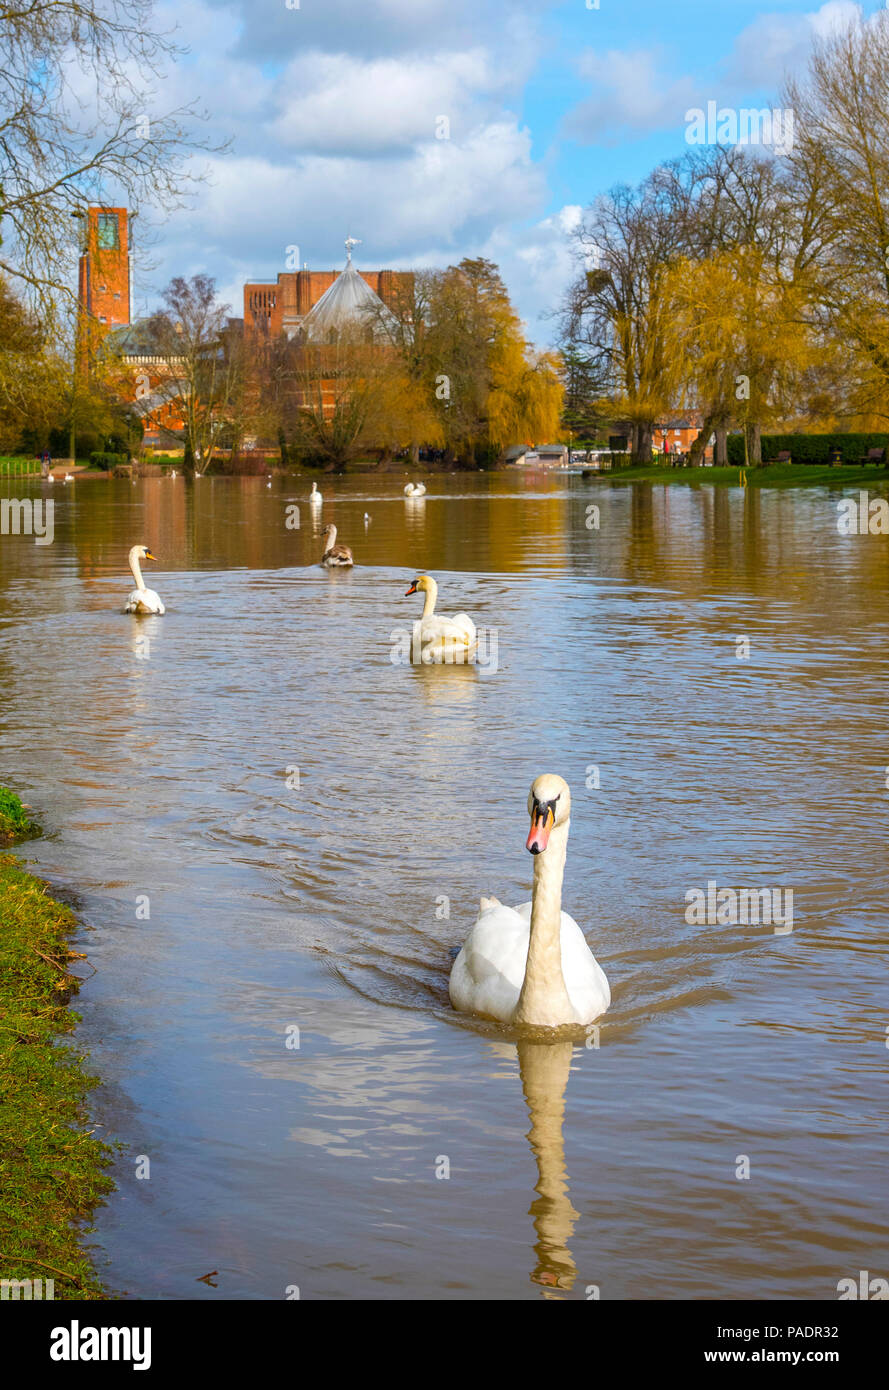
x: 544, y: 1069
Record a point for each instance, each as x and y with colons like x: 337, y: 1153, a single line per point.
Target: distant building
x: 680, y: 434
x: 103, y: 278
x: 315, y: 302
x: 547, y: 456
x: 154, y: 393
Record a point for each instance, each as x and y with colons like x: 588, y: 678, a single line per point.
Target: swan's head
x: 549, y: 804
x: 422, y: 584
x: 141, y: 552
x: 326, y: 530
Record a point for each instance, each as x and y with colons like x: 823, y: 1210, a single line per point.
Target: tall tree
x: 617, y: 314
x: 203, y: 363
x: 841, y: 157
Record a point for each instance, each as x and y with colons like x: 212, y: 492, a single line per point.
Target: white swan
x: 438, y: 640
x: 415, y: 490
x: 315, y: 496
x: 69, y: 477
x: 335, y: 556
x: 531, y: 965
x: 142, y: 600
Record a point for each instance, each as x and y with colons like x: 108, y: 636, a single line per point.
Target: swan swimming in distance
x: 437, y: 639
x: 315, y: 496
x: 335, y: 556
x: 530, y: 965
x: 415, y: 490
x: 142, y: 600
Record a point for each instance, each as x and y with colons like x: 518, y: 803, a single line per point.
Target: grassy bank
x: 775, y: 475
x: 52, y: 1170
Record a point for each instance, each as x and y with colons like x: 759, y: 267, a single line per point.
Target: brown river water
x: 271, y: 947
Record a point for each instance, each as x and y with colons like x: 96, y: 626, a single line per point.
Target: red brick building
x: 283, y: 306
x: 103, y: 280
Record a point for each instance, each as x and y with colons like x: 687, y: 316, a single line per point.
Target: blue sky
x: 335, y: 115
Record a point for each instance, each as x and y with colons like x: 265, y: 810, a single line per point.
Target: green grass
x: 16, y: 467
x: 52, y: 1169
x: 14, y: 820
x: 776, y: 475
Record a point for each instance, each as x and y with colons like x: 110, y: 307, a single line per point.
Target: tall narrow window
x: 107, y: 236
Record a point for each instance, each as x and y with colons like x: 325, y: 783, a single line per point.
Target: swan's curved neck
x: 544, y: 999
x: 331, y: 539
x: 136, y: 570
x: 431, y: 592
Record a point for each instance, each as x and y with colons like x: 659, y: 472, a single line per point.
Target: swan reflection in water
x: 544, y: 1069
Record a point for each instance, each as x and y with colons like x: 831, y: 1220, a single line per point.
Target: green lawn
x: 52, y: 1169
x: 12, y: 467
x: 775, y: 475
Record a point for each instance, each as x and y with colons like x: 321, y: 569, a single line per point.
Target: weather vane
x: 350, y: 242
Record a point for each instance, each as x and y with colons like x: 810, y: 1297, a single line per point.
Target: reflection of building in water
x: 544, y: 1069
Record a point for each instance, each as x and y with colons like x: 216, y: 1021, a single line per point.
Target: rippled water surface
x: 165, y: 777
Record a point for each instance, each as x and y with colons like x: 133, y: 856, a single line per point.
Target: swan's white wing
x: 445, y: 639
x: 487, y: 976
x: 463, y: 620
x: 144, y: 601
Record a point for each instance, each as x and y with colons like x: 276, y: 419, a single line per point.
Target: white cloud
x: 425, y: 206
x: 775, y: 44
x: 537, y: 263
x: 337, y: 103
x: 633, y: 92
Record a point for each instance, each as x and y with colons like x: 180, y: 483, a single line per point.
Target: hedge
x: 809, y: 448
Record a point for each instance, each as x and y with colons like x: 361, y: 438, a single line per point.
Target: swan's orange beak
x: 542, y: 822
x: 149, y: 556
x: 412, y: 589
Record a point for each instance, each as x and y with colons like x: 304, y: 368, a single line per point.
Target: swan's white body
x: 530, y: 965
x: 415, y: 490
x: 142, y: 600
x: 68, y: 477
x: 315, y: 496
x: 438, y: 640
x: 489, y: 972
x: 335, y: 556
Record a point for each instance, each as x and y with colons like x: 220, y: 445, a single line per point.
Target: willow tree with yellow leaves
x: 487, y: 385
x: 743, y: 341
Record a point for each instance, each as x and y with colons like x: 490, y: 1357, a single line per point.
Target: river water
x: 276, y: 833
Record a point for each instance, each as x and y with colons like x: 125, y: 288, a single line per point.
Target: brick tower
x: 103, y: 289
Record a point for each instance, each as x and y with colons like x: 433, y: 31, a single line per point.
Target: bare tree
x: 204, y: 362
x: 841, y: 158
x: 80, y: 122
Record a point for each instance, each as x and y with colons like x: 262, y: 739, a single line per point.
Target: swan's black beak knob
x: 542, y: 821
